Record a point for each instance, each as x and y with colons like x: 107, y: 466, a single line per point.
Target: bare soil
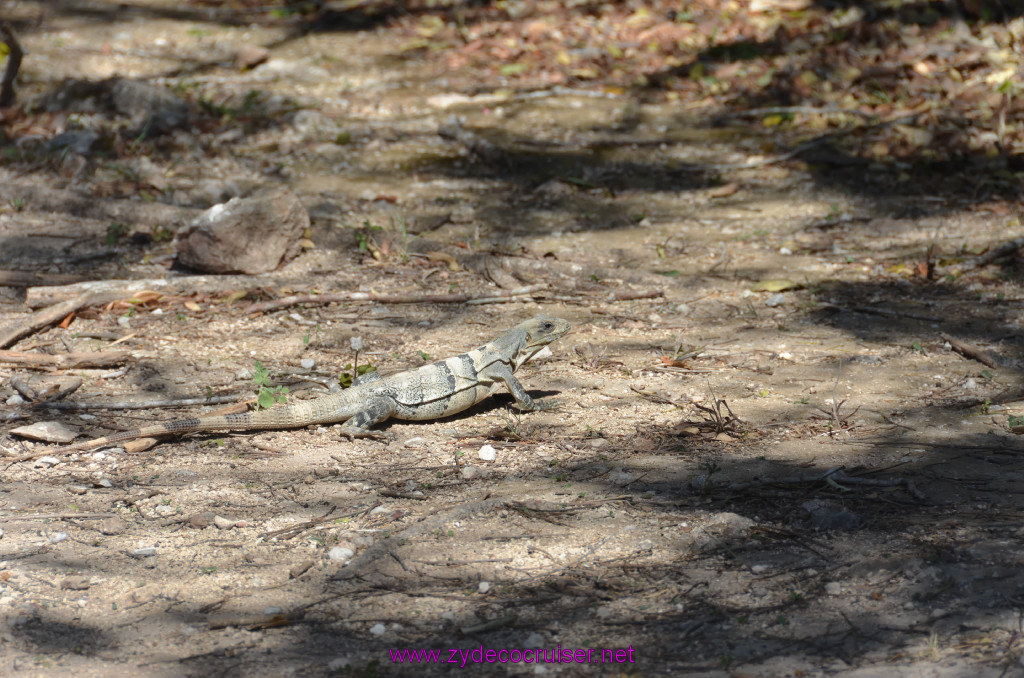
x: 805, y: 482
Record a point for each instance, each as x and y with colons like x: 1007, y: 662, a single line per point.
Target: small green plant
x: 916, y: 347
x: 347, y: 377
x: 1013, y: 421
x: 424, y: 355
x: 115, y: 231
x: 266, y: 395
x: 17, y: 204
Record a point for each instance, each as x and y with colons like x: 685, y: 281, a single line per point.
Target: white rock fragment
x: 487, y: 453
x: 307, y: 363
x: 46, y: 431
x: 542, y: 354
x: 483, y: 587
x: 143, y: 552
x: 223, y: 523
x: 340, y: 553
x: 58, y: 537
x: 15, y: 400
x: 272, y: 610
x: 46, y: 462
x: 534, y: 640
x: 378, y: 629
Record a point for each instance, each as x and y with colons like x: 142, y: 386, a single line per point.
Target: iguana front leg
x: 501, y: 372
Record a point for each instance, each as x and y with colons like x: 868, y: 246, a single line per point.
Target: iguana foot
x: 353, y: 433
x: 545, y: 404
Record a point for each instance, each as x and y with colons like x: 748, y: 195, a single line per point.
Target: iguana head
x: 539, y: 331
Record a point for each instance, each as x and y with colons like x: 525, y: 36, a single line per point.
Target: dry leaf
x: 724, y: 191
x: 776, y: 285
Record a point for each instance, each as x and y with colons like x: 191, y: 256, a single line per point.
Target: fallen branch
x: 65, y: 360
x: 973, y: 352
x: 47, y: 316
x: 1006, y: 249
x: 13, y: 64
x: 629, y: 295
x: 884, y: 312
x: 58, y: 516
x: 833, y: 477
x: 123, y: 289
x: 26, y: 279
x: 336, y: 297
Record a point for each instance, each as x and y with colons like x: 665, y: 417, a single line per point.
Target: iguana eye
x: 547, y: 326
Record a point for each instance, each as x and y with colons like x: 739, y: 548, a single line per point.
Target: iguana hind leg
x: 375, y: 411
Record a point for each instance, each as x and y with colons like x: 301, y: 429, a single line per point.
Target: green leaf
x: 260, y: 375
x: 424, y: 355
x: 512, y: 69
x: 265, y: 400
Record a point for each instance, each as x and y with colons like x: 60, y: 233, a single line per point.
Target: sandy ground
x: 803, y: 481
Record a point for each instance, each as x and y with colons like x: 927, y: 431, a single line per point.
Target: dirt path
x: 852, y: 508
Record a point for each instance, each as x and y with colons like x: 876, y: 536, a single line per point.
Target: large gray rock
x: 245, y: 235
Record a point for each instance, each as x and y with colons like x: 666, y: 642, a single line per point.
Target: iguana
x: 433, y: 391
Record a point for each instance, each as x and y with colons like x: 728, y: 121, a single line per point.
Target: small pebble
x: 758, y: 569
x: 487, y: 453
x: 58, y: 537
x: 483, y: 587
x: 340, y: 553
x: 470, y: 472
x: 112, y: 526
x: 75, y: 583
x: 15, y: 400
x: 77, y: 489
x: 165, y: 510
x: 833, y: 588
x: 307, y: 363
x: 378, y: 629
x: 103, y: 482
x: 46, y: 462
x: 143, y: 552
x: 775, y: 300
x: 223, y: 523
x: 272, y: 610
x: 534, y: 640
